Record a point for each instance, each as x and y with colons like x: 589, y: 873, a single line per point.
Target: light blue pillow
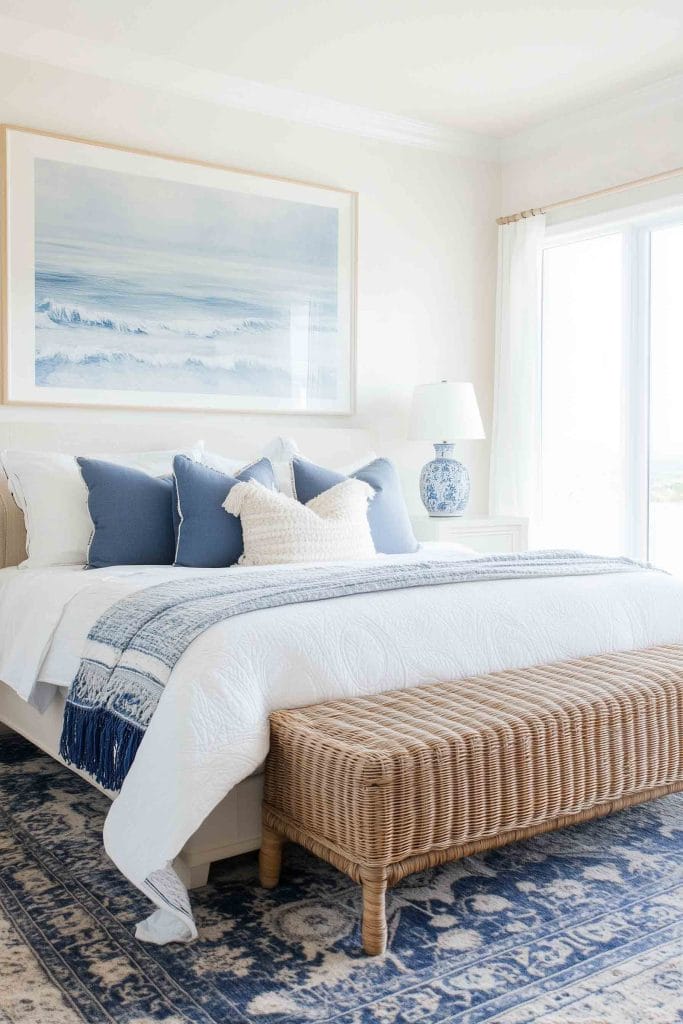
x: 132, y: 514
x: 390, y: 524
x: 208, y: 536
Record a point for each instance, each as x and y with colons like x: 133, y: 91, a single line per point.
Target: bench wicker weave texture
x: 398, y: 782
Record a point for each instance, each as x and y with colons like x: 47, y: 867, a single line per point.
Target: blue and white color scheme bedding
x: 133, y: 647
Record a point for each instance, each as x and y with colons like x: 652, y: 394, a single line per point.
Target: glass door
x: 584, y: 493
x: 666, y: 398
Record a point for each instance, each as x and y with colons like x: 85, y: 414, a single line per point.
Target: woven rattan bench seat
x: 385, y: 785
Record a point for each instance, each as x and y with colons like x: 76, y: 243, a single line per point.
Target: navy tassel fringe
x: 99, y: 743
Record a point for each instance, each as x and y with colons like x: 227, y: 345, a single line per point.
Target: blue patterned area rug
x: 583, y: 925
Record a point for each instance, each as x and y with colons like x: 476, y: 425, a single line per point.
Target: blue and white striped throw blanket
x: 133, y: 647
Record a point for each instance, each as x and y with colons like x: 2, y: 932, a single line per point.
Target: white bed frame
x: 234, y: 827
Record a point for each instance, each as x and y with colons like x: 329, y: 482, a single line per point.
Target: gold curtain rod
x: 613, y: 189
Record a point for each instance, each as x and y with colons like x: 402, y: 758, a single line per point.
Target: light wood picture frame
x: 137, y: 280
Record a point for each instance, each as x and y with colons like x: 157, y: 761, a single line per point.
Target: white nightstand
x: 498, y: 534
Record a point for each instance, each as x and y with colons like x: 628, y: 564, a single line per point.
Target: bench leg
x: 374, y: 927
x: 270, y: 858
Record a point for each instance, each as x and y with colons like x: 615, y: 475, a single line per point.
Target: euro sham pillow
x: 207, y: 536
x: 277, y: 529
x: 279, y: 451
x: 132, y: 515
x: 49, y: 489
x: 390, y: 525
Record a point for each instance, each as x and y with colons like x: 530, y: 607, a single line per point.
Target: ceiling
x: 494, y: 67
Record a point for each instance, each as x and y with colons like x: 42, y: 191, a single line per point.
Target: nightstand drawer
x: 498, y: 535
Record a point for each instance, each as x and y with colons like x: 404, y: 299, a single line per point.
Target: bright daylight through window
x: 612, y: 382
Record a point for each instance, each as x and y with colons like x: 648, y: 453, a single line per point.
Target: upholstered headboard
x: 12, y: 529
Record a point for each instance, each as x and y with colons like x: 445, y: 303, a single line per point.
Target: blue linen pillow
x: 390, y: 524
x: 208, y: 536
x: 132, y: 514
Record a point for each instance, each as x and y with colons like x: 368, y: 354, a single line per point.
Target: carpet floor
x: 582, y: 926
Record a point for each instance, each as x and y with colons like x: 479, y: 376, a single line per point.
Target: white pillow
x: 49, y: 490
x: 279, y: 452
x: 278, y: 529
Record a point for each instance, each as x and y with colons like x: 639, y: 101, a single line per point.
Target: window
x: 666, y: 398
x: 612, y: 390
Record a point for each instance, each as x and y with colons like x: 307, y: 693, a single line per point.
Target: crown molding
x: 592, y: 119
x: 59, y: 49
x: 24, y: 40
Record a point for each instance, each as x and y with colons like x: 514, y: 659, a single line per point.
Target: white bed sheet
x: 210, y: 729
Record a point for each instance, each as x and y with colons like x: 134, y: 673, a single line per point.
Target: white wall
x: 426, y: 271
x: 592, y: 150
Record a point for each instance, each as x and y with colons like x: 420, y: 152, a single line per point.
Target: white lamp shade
x: 445, y: 411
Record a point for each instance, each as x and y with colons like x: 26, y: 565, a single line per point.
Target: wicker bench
x: 386, y: 785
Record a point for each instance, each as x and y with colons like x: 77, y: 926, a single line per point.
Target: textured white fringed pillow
x: 278, y: 529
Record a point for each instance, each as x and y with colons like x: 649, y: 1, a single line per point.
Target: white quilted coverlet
x: 210, y: 730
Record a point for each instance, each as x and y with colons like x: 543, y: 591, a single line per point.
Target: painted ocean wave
x: 114, y: 369
x: 52, y: 355
x: 52, y: 314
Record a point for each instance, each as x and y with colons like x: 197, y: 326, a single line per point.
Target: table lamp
x: 447, y: 410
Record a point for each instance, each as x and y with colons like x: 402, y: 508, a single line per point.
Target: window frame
x: 636, y: 226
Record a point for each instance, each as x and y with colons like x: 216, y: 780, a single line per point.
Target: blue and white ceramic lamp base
x: 444, y: 483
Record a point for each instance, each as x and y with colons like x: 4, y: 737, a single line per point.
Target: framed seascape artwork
x: 132, y: 279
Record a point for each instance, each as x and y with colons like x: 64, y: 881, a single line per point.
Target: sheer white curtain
x: 516, y: 434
